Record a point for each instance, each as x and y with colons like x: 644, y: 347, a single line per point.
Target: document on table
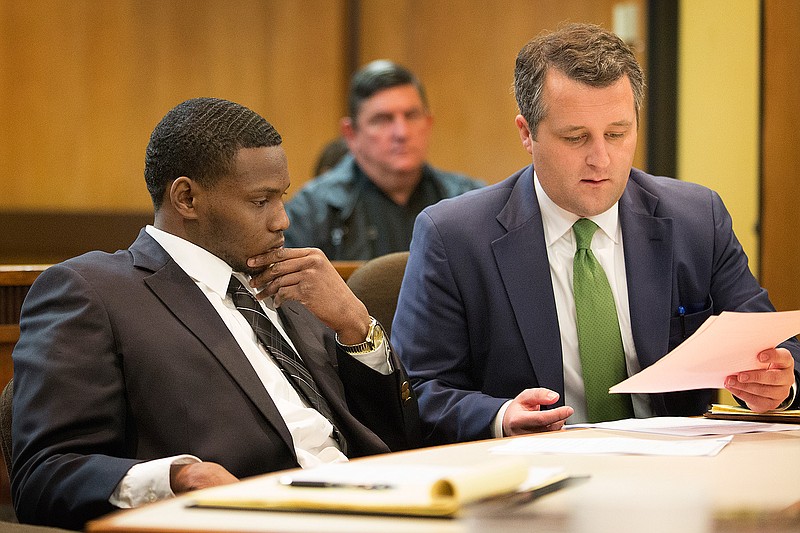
x: 725, y: 344
x: 686, y: 427
x: 613, y: 446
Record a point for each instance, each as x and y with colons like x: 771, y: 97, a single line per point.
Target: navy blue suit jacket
x: 476, y: 319
x: 123, y: 359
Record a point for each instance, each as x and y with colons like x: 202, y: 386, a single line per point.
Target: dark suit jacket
x: 122, y: 359
x: 476, y: 319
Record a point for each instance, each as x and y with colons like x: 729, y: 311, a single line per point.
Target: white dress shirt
x: 608, y: 248
x: 311, y: 432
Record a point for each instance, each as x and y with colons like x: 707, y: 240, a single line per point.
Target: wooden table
x: 751, y: 485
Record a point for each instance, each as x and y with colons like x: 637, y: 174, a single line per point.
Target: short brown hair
x: 583, y: 52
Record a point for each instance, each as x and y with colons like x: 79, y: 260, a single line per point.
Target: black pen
x: 682, y: 315
x: 319, y: 484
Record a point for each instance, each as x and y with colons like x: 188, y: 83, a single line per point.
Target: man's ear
x: 348, y: 129
x: 524, y: 133
x: 182, y: 196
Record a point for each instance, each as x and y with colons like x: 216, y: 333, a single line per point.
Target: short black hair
x: 377, y: 76
x: 199, y: 139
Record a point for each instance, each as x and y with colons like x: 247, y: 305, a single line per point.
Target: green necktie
x: 599, y: 340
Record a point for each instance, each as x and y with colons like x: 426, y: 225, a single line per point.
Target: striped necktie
x: 287, y: 359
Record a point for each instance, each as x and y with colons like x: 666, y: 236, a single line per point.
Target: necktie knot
x: 584, y: 231
x: 235, y: 286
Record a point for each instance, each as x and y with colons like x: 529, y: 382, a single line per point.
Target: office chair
x: 377, y: 284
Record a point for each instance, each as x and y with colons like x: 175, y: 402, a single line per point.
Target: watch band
x: 374, y: 339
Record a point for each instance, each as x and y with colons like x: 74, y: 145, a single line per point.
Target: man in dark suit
x: 488, y: 321
x: 138, y: 374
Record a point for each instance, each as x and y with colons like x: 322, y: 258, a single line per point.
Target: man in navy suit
x: 486, y: 319
x: 138, y: 377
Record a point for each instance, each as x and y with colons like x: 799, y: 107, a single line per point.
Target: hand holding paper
x: 724, y: 345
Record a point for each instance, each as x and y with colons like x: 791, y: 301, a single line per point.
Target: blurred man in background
x: 366, y: 205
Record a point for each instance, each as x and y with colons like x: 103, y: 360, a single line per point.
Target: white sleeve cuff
x: 147, y: 482
x: 790, y: 400
x: 378, y: 359
x: 497, y: 427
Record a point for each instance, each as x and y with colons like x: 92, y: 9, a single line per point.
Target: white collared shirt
x: 608, y: 248
x: 311, y: 432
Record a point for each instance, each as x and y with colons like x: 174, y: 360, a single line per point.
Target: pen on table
x: 682, y: 315
x: 319, y: 484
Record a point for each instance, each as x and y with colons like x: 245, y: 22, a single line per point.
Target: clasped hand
x: 305, y: 275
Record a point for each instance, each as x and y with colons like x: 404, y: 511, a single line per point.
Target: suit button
x: 405, y: 391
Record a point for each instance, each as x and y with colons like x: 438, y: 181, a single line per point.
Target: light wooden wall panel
x: 83, y: 83
x: 780, y: 222
x: 464, y: 53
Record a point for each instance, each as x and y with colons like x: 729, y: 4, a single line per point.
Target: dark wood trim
x: 662, y: 88
x: 352, y: 46
x: 46, y: 237
x: 15, y: 275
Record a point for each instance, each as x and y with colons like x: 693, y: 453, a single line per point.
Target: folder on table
x: 414, y: 490
x: 735, y: 412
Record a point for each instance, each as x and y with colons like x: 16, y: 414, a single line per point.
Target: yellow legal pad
x: 415, y: 490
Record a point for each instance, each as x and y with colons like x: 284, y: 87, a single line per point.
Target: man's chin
x: 252, y: 272
x: 244, y: 269
x: 241, y: 266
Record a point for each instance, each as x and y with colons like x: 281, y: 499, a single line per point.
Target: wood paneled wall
x: 780, y: 217
x: 83, y: 83
x: 464, y: 53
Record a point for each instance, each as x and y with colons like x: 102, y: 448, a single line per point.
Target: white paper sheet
x: 686, y: 427
x: 614, y: 445
x: 723, y: 345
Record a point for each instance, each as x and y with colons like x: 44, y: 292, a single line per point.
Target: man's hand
x: 193, y: 476
x: 524, y: 415
x: 306, y: 276
x: 765, y: 389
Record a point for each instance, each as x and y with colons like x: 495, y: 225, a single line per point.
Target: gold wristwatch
x: 374, y: 339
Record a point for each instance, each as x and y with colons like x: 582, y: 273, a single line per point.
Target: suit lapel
x: 191, y: 307
x: 648, y: 242
x: 521, y: 257
x: 315, y: 347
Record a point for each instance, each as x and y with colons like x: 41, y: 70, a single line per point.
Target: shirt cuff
x: 497, y: 427
x: 790, y: 400
x: 147, y: 482
x: 378, y: 359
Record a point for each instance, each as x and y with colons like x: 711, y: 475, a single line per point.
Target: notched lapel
x: 648, y: 242
x: 521, y: 258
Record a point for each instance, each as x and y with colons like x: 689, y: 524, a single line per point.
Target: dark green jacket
x: 331, y: 212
